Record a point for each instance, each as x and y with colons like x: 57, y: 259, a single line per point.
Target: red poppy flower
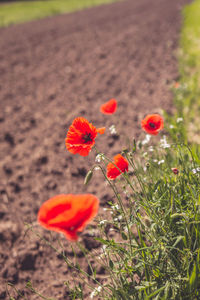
x: 152, y: 124
x: 81, y: 136
x: 68, y: 214
x: 121, y: 163
x: 109, y: 107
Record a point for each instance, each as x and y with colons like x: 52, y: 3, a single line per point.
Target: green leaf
x: 155, y: 293
x: 179, y: 238
x: 124, y: 236
x: 193, y: 277
x: 111, y: 264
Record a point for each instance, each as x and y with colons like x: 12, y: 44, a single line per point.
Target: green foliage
x: 24, y: 11
x: 187, y: 95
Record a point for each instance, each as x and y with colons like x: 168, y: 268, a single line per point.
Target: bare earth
x: 52, y: 71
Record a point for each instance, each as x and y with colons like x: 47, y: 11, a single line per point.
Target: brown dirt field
x: 52, y: 71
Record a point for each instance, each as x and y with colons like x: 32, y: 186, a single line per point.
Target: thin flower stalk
x: 120, y: 203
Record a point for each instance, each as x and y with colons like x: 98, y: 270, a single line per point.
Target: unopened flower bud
x: 147, y: 165
x: 88, y: 177
x: 175, y: 171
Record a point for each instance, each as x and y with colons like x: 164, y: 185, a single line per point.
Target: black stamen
x: 87, y: 137
x: 152, y: 125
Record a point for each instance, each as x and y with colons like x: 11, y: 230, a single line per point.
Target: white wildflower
x: 99, y: 157
x: 151, y: 149
x: 179, y: 120
x: 155, y: 160
x: 95, y: 292
x: 146, y: 140
x: 118, y: 218
x: 161, y: 162
x: 102, y: 222
x: 163, y: 142
x: 115, y: 207
x: 197, y: 170
x: 171, y: 126
x: 113, y: 129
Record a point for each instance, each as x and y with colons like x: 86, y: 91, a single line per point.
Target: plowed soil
x: 52, y: 71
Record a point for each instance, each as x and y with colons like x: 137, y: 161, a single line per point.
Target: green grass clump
x: 187, y: 95
x: 21, y: 12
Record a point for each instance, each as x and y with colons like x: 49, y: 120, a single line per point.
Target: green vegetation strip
x: 21, y: 12
x: 187, y: 95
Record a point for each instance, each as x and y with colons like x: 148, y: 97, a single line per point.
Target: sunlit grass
x: 187, y: 97
x: 21, y: 12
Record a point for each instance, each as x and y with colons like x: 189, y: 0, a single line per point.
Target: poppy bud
x: 175, y: 171
x: 147, y: 165
x: 88, y: 177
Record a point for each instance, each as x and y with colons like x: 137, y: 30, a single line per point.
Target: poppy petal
x: 109, y: 107
x: 101, y: 130
x: 68, y: 214
x: 122, y: 165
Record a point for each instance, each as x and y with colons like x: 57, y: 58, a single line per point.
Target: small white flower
x: 163, y: 142
x: 92, y: 294
x: 171, y: 126
x: 113, y: 129
x: 102, y: 222
x: 146, y: 140
x: 179, y: 120
x: 120, y: 217
x: 105, y: 208
x: 155, y: 160
x: 197, y: 170
x: 115, y: 207
x: 161, y: 162
x: 145, y: 154
x: 95, y: 292
x: 99, y: 157
x: 151, y: 149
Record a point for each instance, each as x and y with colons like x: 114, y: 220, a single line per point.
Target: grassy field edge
x: 20, y: 12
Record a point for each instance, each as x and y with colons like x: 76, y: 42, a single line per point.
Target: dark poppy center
x: 152, y: 125
x: 87, y: 137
